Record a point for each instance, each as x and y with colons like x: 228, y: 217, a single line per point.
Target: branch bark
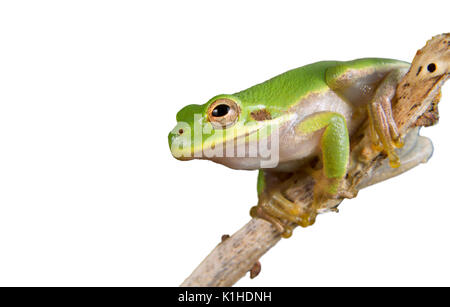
x: 415, y: 104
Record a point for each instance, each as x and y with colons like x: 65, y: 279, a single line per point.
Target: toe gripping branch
x: 383, y: 130
x: 285, y: 202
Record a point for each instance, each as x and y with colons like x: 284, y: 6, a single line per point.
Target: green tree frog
x: 312, y: 110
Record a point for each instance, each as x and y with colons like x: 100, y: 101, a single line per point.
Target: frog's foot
x: 383, y: 133
x: 283, y: 228
x: 383, y: 129
x: 326, y: 189
x: 275, y: 208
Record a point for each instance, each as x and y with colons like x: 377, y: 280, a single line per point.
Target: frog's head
x: 222, y: 130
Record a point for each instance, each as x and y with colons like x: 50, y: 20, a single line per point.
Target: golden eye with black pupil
x: 223, y: 112
x: 220, y: 110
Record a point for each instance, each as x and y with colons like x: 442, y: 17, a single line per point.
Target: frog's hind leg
x: 383, y: 129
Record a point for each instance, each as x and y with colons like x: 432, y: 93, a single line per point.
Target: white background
x: 89, y: 192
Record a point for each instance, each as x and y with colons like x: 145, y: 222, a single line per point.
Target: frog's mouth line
x: 199, y: 153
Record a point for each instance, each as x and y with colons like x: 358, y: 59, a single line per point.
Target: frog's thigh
x: 334, y: 142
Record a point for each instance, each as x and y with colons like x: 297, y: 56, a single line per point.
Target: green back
x: 288, y: 88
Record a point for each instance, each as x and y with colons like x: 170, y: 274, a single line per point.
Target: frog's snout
x: 175, y: 136
x: 181, y: 138
x: 172, y: 137
x: 177, y: 140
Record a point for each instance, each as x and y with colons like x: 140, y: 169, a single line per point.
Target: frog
x: 313, y: 110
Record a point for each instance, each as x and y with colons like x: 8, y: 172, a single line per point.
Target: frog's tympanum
x: 286, y: 123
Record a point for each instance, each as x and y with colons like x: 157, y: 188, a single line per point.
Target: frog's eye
x: 223, y: 113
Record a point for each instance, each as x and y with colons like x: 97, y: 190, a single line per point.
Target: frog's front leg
x: 276, y: 208
x: 335, y: 146
x: 383, y: 128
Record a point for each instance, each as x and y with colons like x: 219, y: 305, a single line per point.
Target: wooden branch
x: 235, y: 256
x: 415, y: 104
x: 420, y: 88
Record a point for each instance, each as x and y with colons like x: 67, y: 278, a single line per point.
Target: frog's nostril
x: 180, y: 131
